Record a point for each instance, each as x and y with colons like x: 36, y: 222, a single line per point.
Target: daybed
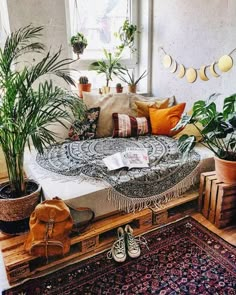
x: 74, y: 171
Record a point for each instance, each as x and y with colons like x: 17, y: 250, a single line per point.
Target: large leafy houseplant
x: 218, y: 131
x: 29, y: 102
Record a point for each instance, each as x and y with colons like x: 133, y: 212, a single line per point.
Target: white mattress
x: 84, y: 193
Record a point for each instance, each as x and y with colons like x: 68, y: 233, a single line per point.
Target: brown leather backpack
x: 50, y: 226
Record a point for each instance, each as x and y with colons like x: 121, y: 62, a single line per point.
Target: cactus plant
x: 119, y: 88
x: 83, y: 80
x: 84, y: 85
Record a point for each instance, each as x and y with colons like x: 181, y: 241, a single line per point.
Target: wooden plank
x: 202, y: 187
x: 207, y: 197
x: 213, y: 201
x: 175, y: 209
x: 229, y: 202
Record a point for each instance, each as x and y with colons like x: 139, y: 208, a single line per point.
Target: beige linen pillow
x: 109, y: 104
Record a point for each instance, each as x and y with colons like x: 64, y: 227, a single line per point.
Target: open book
x: 131, y: 158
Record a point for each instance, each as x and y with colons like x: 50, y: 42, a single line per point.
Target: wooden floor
x: 228, y: 233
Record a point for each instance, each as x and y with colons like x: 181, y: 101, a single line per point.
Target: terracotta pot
x: 225, y: 170
x: 15, y: 212
x: 132, y: 88
x: 84, y: 87
x: 119, y: 89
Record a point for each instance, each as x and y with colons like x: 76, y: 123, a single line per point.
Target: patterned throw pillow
x: 85, y: 129
x: 128, y: 126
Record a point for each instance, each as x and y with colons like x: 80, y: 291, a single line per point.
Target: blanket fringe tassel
x: 131, y: 205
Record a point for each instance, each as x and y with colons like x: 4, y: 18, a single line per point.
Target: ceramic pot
x: 132, y: 88
x: 85, y: 88
x: 225, y: 170
x: 105, y: 89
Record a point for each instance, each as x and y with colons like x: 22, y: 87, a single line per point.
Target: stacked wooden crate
x: 217, y: 200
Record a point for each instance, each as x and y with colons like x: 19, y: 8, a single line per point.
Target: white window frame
x: 84, y: 63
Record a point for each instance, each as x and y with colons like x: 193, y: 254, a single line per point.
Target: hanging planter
x: 79, y: 43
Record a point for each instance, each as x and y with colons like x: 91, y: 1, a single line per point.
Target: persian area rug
x: 183, y: 258
x: 167, y: 177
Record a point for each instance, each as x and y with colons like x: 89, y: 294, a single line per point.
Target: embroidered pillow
x: 85, y: 129
x: 162, y: 121
x: 128, y: 126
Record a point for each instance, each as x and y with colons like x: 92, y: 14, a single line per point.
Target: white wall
x: 194, y: 33
x: 49, y: 14
x: 4, y: 22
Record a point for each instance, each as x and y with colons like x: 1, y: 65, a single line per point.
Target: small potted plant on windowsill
x: 79, y: 43
x: 108, y: 67
x: 119, y: 88
x: 218, y: 134
x: 84, y: 85
x: 131, y: 80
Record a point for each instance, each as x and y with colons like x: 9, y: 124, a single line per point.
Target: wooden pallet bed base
x: 98, y: 237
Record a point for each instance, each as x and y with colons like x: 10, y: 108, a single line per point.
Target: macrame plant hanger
x: 76, y: 21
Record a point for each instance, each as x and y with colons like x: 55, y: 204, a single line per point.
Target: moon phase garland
x: 205, y: 72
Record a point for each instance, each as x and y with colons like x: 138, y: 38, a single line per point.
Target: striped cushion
x: 128, y: 126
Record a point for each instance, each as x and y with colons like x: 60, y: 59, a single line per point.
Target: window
x: 99, y: 24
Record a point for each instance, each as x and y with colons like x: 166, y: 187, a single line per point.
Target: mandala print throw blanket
x: 167, y: 177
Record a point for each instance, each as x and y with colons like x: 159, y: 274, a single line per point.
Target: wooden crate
x: 202, y: 186
x: 100, y: 236
x: 175, y: 209
x: 218, y: 200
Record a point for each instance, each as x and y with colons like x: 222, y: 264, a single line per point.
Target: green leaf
x: 186, y: 143
x: 185, y: 119
x: 229, y: 107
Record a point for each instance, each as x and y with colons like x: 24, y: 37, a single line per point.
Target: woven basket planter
x: 15, y: 213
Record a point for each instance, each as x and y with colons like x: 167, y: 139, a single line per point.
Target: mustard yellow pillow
x: 190, y: 129
x: 143, y: 106
x: 163, y: 120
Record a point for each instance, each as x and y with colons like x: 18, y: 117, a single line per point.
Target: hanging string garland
x: 224, y: 64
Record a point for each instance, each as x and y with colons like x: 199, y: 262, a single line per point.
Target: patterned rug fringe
x: 129, y: 205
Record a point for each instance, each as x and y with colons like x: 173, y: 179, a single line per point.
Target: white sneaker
x: 118, y: 251
x: 132, y: 245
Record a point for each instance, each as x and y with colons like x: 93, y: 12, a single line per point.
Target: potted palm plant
x: 218, y: 134
x: 131, y: 80
x: 108, y: 67
x: 29, y: 103
x: 79, y: 43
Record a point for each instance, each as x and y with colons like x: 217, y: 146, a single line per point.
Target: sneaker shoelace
x: 118, y: 247
x: 133, y: 243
